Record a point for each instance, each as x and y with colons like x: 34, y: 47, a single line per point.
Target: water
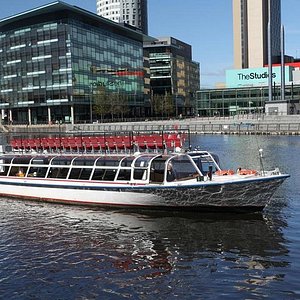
x: 51, y: 251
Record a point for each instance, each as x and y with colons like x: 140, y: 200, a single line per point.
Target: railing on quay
x: 199, y: 128
x: 247, y: 128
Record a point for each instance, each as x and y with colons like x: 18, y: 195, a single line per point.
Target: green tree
x: 168, y: 104
x: 158, y: 104
x: 101, y: 102
x: 121, y: 105
x: 163, y: 104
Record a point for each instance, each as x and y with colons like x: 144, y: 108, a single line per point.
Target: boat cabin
x: 137, y: 168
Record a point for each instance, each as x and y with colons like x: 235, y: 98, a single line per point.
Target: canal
x: 51, y: 251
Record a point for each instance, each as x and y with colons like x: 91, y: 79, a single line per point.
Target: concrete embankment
x: 250, y: 124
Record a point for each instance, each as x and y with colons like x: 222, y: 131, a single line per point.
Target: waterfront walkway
x: 246, y: 124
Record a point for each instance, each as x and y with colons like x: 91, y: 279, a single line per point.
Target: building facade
x: 246, y: 91
x: 247, y: 100
x: 250, y: 32
x: 54, y: 58
x: 132, y: 12
x: 173, y: 72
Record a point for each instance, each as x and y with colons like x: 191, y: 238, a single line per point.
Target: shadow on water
x: 105, y: 253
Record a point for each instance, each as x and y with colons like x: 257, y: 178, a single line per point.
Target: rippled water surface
x: 50, y: 251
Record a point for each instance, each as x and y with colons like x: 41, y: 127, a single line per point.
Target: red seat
x: 140, y: 142
x: 16, y: 144
x: 111, y: 144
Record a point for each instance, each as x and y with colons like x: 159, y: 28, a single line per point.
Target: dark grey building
x: 172, y: 71
x: 52, y: 58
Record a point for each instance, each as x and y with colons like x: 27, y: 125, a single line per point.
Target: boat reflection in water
x: 162, y: 240
x: 120, y: 251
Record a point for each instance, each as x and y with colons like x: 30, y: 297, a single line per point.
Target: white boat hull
x: 251, y: 194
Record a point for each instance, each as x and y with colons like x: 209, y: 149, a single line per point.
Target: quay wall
x: 259, y: 125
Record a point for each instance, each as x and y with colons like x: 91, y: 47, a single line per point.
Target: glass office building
x: 247, y: 100
x: 53, y: 58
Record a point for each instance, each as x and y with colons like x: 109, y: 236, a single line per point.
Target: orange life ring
x: 247, y: 172
x: 224, y: 172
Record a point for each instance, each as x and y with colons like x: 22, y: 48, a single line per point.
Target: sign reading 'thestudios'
x: 255, y: 77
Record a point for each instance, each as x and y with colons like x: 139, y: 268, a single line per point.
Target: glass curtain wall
x: 35, y: 72
x: 46, y: 71
x: 107, y: 61
x: 230, y: 102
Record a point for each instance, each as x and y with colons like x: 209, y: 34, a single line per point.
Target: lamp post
x: 91, y: 103
x: 269, y: 52
x: 176, y: 105
x: 250, y: 102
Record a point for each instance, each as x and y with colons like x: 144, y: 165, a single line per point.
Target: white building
x: 132, y: 12
x: 250, y: 32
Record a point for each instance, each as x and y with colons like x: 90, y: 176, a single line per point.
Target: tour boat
x: 191, y: 180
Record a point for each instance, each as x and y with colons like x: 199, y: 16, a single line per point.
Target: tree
x: 168, y: 104
x: 158, y: 104
x: 101, y: 102
x: 121, y: 105
x: 163, y: 104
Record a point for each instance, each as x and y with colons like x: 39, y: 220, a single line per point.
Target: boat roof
x: 83, y: 159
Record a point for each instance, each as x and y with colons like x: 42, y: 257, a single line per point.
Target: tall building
x: 173, y: 72
x: 132, y: 12
x: 250, y: 32
x: 53, y: 58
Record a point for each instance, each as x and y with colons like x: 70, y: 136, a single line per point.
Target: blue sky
x: 205, y: 24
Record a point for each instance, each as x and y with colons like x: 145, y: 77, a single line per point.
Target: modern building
x: 132, y: 12
x: 247, y: 92
x: 247, y: 100
x: 54, y: 57
x: 250, y: 32
x: 173, y: 72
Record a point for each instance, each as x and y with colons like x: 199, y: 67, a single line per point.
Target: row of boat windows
x: 104, y: 168
x: 76, y: 173
x: 79, y: 161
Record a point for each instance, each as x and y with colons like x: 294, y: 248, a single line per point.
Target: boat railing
x: 111, y: 142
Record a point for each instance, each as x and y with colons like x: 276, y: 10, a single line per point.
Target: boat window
x: 124, y: 174
x: 58, y: 173
x: 84, y: 161
x: 75, y: 173
x: 80, y: 173
x: 3, y: 169
x: 19, y: 171
x: 22, y: 160
x: 203, y: 163
x: 109, y: 174
x: 140, y: 174
x: 98, y: 174
x: 143, y: 161
x: 85, y: 174
x: 157, y: 170
x: 109, y: 161
x: 40, y: 161
x: 180, y: 167
x: 216, y: 158
x: 127, y: 161
x: 37, y: 172
x: 61, y: 160
x: 6, y: 159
